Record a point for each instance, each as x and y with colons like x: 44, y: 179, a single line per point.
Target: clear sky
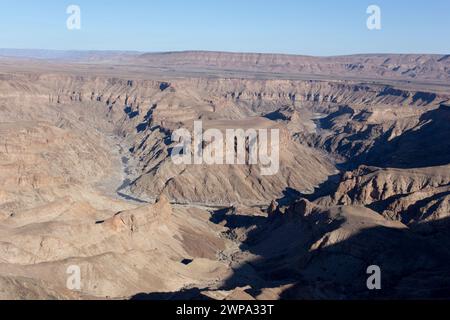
x: 317, y: 27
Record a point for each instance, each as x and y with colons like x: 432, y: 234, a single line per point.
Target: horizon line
x: 140, y: 52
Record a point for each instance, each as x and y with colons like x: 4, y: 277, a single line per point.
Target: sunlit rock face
x: 87, y: 181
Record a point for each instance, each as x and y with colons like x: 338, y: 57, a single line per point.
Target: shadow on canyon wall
x: 427, y: 145
x: 415, y: 263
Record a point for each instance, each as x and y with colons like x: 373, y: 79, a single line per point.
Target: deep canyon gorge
x: 87, y: 178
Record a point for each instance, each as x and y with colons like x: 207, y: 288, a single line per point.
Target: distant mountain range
x: 409, y: 67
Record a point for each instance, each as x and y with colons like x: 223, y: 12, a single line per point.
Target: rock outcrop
x: 363, y: 177
x: 133, y: 220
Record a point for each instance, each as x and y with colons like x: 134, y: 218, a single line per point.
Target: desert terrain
x: 86, y: 176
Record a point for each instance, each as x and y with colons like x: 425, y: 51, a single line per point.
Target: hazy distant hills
x: 436, y: 67
x: 363, y: 179
x: 63, y: 55
x: 409, y: 67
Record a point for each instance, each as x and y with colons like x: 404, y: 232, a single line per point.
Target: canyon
x: 87, y: 177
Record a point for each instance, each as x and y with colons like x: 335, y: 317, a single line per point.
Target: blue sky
x: 318, y: 27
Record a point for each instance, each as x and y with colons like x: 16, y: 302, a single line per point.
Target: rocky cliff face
x: 335, y: 245
x: 86, y: 179
x: 407, y: 152
x: 408, y: 195
x: 147, y: 112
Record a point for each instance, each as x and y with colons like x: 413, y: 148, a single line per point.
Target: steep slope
x: 307, y: 251
x: 401, y: 164
x: 147, y: 112
x: 116, y: 256
x: 85, y: 152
